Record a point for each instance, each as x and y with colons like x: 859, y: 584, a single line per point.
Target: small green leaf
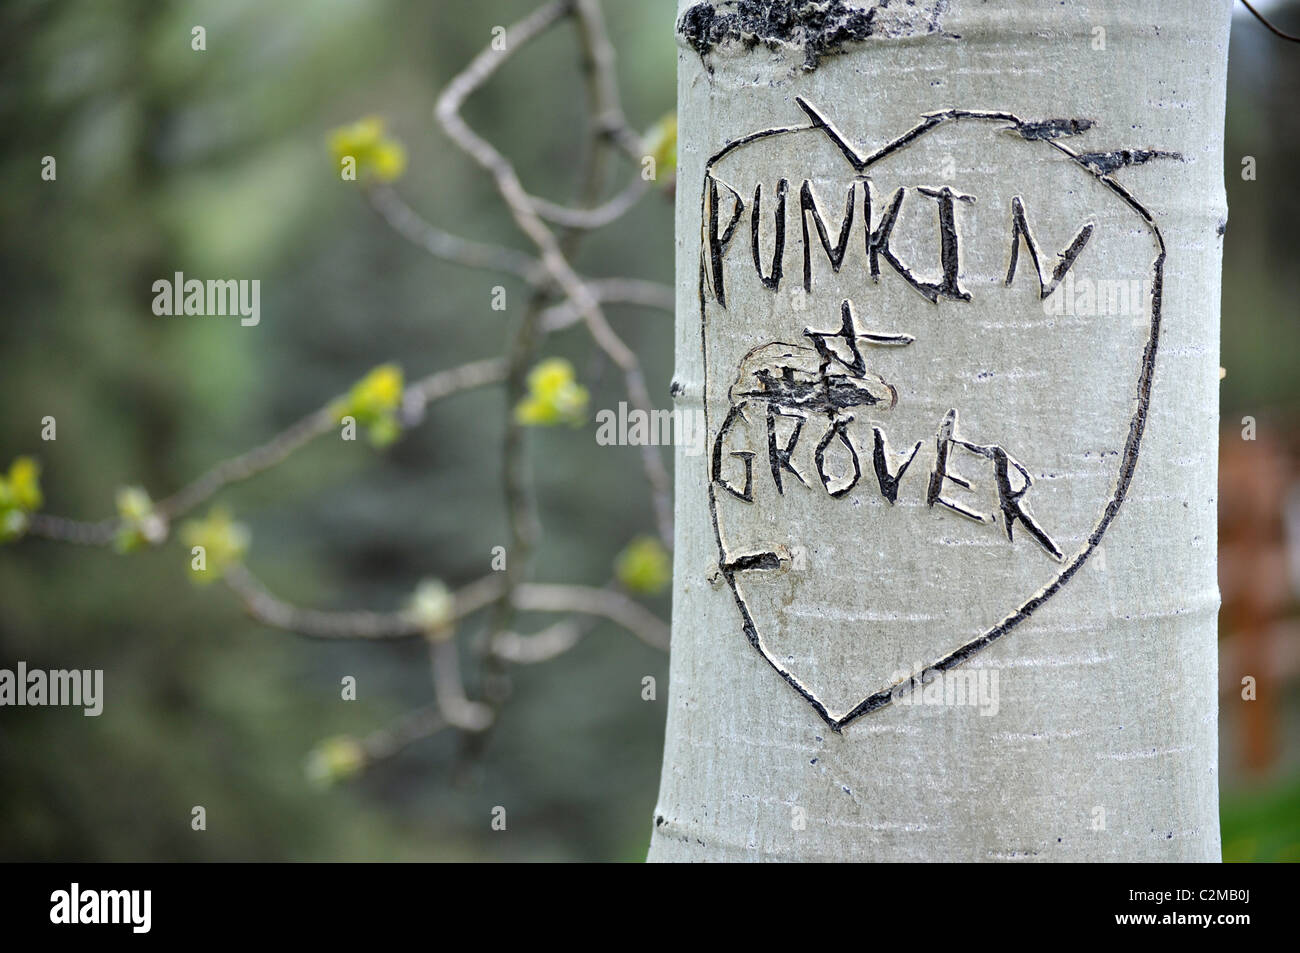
x: 223, y: 540
x: 334, y: 760
x: 554, y: 396
x: 644, y: 566
x: 377, y: 156
x: 433, y: 607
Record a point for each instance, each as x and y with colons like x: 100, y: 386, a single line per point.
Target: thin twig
x: 1272, y: 29
x: 248, y: 464
x: 447, y: 113
x: 65, y: 530
x: 527, y: 597
x: 456, y: 708
x: 316, y: 624
x: 549, y: 274
x: 260, y: 459
x: 541, y: 646
x: 589, y: 600
x: 385, y: 742
x: 522, y: 520
x: 592, y: 218
x: 414, y: 228
x: 435, y: 387
x: 598, y: 59
x: 633, y: 291
x: 522, y: 517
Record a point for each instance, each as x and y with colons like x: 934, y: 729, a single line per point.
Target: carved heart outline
x: 1099, y: 166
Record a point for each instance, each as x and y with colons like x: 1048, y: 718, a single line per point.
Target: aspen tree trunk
x: 948, y: 296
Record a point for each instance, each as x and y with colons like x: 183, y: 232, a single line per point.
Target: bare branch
x: 260, y: 459
x: 588, y: 600
x: 443, y: 245
x: 550, y: 276
x: 459, y: 711
x: 414, y: 399
x: 598, y: 56
x: 541, y: 646
x: 442, y: 384
x: 72, y: 531
x: 633, y: 291
x: 592, y: 218
x: 385, y: 742
x: 313, y: 623
x: 248, y: 464
x: 528, y: 597
x: 447, y: 113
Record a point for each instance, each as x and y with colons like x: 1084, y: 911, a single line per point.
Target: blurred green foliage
x: 1262, y: 825
x: 1259, y: 347
x: 20, y: 495
x: 373, y: 402
x: 644, y: 566
x: 217, y: 164
x: 554, y: 396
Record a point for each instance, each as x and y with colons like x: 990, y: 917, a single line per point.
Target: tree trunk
x: 948, y: 296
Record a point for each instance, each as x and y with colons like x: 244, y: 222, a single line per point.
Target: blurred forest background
x: 215, y: 164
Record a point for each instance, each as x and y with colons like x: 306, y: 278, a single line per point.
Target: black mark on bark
x: 817, y: 28
x: 1052, y: 128
x: 773, y: 281
x: 753, y: 561
x: 1107, y: 162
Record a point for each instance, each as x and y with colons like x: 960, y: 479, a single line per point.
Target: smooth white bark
x: 1101, y: 744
